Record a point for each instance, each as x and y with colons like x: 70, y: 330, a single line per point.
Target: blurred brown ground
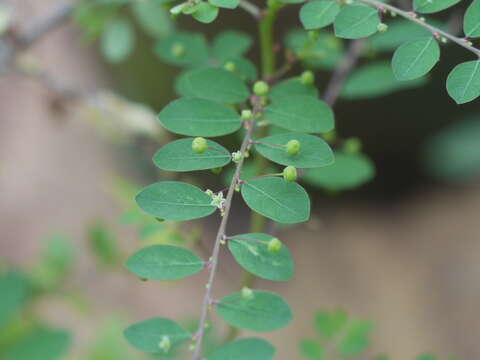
x: 412, y: 268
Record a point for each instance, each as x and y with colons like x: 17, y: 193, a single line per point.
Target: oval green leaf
x: 227, y: 4
x: 356, y: 21
x: 347, y: 172
x: 199, y: 117
x: 195, y: 49
x: 318, y: 14
x: 117, y: 41
x: 292, y: 87
x: 205, y: 12
x: 179, y: 156
x: 314, y: 151
x: 280, y: 200
x: 251, y: 252
x: 463, y: 82
x: 263, y: 311
x: 176, y: 201
x: 231, y: 43
x: 244, y: 349
x: 213, y: 84
x: 164, y: 262
x: 432, y: 6
x: 147, y: 335
x: 471, y: 21
x: 415, y: 58
x: 302, y: 114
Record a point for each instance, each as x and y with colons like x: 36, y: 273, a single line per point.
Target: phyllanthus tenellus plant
x: 281, y: 120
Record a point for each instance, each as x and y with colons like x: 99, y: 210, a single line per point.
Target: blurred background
x: 77, y: 132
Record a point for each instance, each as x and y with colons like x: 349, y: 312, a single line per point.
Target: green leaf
x: 347, y: 172
x: 118, y: 40
x: 42, y: 344
x: 318, y: 14
x: 314, y: 151
x: 463, y: 82
x: 179, y: 156
x: 251, y: 252
x: 244, y: 349
x: 164, y: 262
x: 415, y: 58
x: 153, y: 17
x: 356, y: 21
x: 311, y: 349
x: 227, y: 4
x: 263, y: 311
x: 245, y: 69
x: 432, y: 6
x: 357, y: 338
x: 173, y: 200
x: 199, y: 117
x: 280, y: 200
x: 147, y: 335
x: 301, y: 113
x: 471, y: 21
x: 330, y: 323
x: 195, y: 49
x: 292, y: 87
x: 15, y: 289
x: 205, y: 12
x: 213, y: 84
x: 231, y: 43
x: 375, y: 79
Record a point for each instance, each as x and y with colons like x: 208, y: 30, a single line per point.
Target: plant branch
x: 413, y: 17
x: 334, y: 87
x: 208, y: 299
x: 252, y: 9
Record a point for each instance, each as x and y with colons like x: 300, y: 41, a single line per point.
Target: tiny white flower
x: 218, y: 200
x: 209, y: 192
x: 237, y: 156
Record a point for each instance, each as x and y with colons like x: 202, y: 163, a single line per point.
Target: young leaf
x: 318, y: 14
x: 263, y: 311
x: 432, y: 6
x: 205, y: 12
x: 227, y: 4
x: 42, y: 344
x: 117, y: 41
x: 415, y: 58
x: 463, y: 82
x: 283, y: 201
x: 173, y: 200
x: 357, y: 338
x: 251, y: 251
x: 193, y: 46
x: 347, y: 172
x: 15, y: 289
x: 292, y: 87
x: 148, y: 334
x: 213, y: 84
x: 356, y: 21
x: 244, y: 349
x: 302, y: 114
x: 199, y: 117
x: 231, y: 43
x: 179, y: 156
x: 164, y: 262
x: 314, y: 151
x: 471, y: 22
x: 312, y: 349
x: 330, y: 323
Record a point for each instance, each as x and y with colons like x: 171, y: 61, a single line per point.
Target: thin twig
x: 341, y: 73
x: 213, y: 262
x: 252, y: 9
x: 414, y: 18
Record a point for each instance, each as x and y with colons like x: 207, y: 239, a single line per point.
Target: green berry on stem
x: 230, y: 66
x: 330, y: 136
x: 290, y: 173
x: 247, y: 115
x: 247, y: 293
x: 313, y: 35
x: 307, y: 78
x: 178, y: 50
x: 261, y: 88
x: 199, y: 145
x: 382, y: 27
x: 352, y: 145
x: 293, y: 147
x: 274, y: 245
x: 217, y: 170
x: 237, y: 156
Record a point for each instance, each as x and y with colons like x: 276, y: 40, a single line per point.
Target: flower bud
x: 307, y: 78
x: 261, y: 88
x: 293, y: 147
x: 230, y: 66
x: 247, y: 115
x: 290, y: 173
x: 382, y: 27
x: 199, y: 145
x: 274, y: 245
x: 247, y: 293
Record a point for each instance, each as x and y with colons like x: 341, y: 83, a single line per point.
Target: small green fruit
x: 247, y: 293
x: 313, y: 35
x: 274, y: 245
x: 178, y: 50
x: 307, y: 78
x: 230, y: 66
x: 247, y: 115
x: 330, y: 136
x: 199, y: 145
x: 237, y: 156
x: 352, y: 145
x: 261, y: 88
x: 290, y: 173
x: 217, y: 170
x: 293, y: 147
